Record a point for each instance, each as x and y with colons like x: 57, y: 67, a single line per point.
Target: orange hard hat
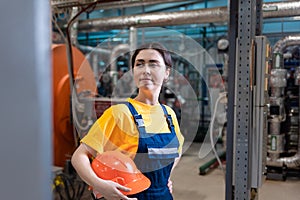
x: 115, y: 166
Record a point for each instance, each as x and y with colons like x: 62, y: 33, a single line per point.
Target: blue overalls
x: 155, y: 157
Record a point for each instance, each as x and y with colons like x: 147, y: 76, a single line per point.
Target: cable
x: 54, y: 20
x: 75, y: 117
x: 222, y: 95
x: 88, y: 8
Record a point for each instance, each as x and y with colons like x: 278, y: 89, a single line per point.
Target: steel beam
x: 246, y: 23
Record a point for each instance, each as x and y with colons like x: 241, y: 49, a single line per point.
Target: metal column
x: 247, y: 25
x: 25, y: 109
x: 232, y: 35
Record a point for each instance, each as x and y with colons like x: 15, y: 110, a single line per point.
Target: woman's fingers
x: 123, y: 188
x: 170, y: 186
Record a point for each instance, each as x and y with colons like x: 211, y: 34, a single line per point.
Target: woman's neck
x: 147, y: 98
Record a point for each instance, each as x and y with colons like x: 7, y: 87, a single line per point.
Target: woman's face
x: 150, y: 70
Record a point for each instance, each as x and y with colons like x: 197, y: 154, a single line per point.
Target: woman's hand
x: 170, y: 186
x: 110, y: 190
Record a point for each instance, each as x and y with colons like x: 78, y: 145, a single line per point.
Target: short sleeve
x: 113, y: 130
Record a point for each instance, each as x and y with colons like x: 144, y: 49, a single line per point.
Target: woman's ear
x: 167, y: 74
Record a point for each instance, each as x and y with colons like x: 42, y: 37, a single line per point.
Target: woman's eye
x: 151, y: 65
x: 139, y: 65
x: 154, y: 65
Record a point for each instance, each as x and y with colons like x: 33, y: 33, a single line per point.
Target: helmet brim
x: 138, y: 186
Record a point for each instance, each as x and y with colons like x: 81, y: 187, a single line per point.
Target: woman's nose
x: 147, y: 69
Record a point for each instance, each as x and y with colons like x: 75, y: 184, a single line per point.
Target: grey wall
x: 25, y: 101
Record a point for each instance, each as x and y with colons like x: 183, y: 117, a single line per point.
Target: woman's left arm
x: 170, y: 183
x: 181, y: 141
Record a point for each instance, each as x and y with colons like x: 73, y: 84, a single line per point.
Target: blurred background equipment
x: 63, y: 132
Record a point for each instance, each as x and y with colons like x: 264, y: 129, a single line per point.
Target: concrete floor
x: 188, y: 184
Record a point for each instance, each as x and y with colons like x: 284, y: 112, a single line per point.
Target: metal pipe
x: 105, y: 4
x: 203, y: 169
x: 281, y: 9
x: 70, y: 51
x: 199, y: 16
x: 121, y: 48
x: 294, y: 161
x: 133, y: 38
x: 93, y: 49
x: 208, y: 15
x: 285, y: 42
x: 290, y: 162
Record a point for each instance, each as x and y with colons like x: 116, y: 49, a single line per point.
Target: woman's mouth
x: 145, y: 79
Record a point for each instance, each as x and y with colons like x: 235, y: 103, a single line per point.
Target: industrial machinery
x: 63, y: 132
x: 283, y: 158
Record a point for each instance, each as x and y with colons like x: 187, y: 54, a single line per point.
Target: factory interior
x: 234, y: 86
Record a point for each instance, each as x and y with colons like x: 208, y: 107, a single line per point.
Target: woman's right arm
x: 109, y: 189
x: 80, y: 161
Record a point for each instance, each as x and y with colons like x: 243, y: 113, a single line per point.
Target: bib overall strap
x: 169, y: 119
x: 137, y: 118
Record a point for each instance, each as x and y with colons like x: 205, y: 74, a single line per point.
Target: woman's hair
x: 155, y: 46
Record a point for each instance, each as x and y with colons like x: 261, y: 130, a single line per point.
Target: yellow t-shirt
x: 115, y: 129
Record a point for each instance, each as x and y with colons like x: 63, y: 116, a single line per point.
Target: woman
x: 155, y: 146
